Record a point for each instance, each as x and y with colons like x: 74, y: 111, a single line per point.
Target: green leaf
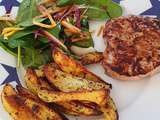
x: 85, y: 24
x: 85, y: 43
x: 26, y: 12
x: 8, y: 49
x: 28, y: 23
x: 22, y: 33
x: 98, y: 9
x: 85, y: 28
x: 114, y: 10
x: 24, y: 42
x: 69, y: 2
x: 35, y: 58
x: 96, y: 13
x: 99, y: 3
x: 55, y: 31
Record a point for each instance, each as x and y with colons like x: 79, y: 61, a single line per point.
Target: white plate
x: 136, y: 100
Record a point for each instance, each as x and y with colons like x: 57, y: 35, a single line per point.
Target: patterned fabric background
x: 8, y: 72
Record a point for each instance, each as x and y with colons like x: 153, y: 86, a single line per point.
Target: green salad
x: 42, y: 25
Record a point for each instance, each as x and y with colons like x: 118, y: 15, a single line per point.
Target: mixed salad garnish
x: 42, y: 25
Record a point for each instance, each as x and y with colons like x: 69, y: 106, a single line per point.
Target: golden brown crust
x: 133, y: 47
x: 123, y: 77
x: 70, y: 66
x: 91, y: 58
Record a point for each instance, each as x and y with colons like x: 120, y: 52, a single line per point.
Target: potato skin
x: 99, y: 97
x: 34, y: 84
x: 39, y: 107
x: 15, y: 105
x: 68, y: 69
x: 70, y: 66
x: 110, y: 111
x: 67, y: 82
x: 91, y: 58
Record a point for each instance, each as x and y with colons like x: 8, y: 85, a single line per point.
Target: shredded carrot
x: 9, y: 34
x: 44, y: 13
x: 70, y: 27
x: 77, y: 39
x: 54, y: 39
x: 47, y: 1
x: 84, y: 12
x: 42, y: 10
x: 43, y: 25
x: 83, y: 36
x: 67, y: 31
x: 57, y: 9
x: 100, y: 30
x: 10, y: 31
x: 68, y: 11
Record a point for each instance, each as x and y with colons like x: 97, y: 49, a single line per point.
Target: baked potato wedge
x: 67, y: 82
x: 25, y: 93
x: 99, y: 97
x: 109, y: 111
x: 15, y: 105
x: 78, y: 108
x: 31, y: 80
x: 112, y: 104
x: 70, y: 66
x: 41, y: 110
x: 39, y: 72
x: 34, y: 84
x: 91, y: 58
x: 39, y: 107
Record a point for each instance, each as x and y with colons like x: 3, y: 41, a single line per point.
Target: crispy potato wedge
x: 41, y: 110
x: 70, y: 66
x: 109, y: 110
x: 39, y: 72
x: 38, y: 107
x: 71, y: 107
x: 112, y: 104
x: 31, y: 80
x: 15, y: 105
x: 25, y: 93
x: 67, y: 82
x: 99, y: 97
x: 109, y: 113
x: 91, y: 58
x: 34, y: 84
x: 78, y: 108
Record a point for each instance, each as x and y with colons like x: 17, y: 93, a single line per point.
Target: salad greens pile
x: 32, y: 44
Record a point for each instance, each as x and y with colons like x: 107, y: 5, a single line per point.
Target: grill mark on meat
x: 133, y: 45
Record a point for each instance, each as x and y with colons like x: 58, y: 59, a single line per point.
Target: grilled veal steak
x: 133, y: 47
